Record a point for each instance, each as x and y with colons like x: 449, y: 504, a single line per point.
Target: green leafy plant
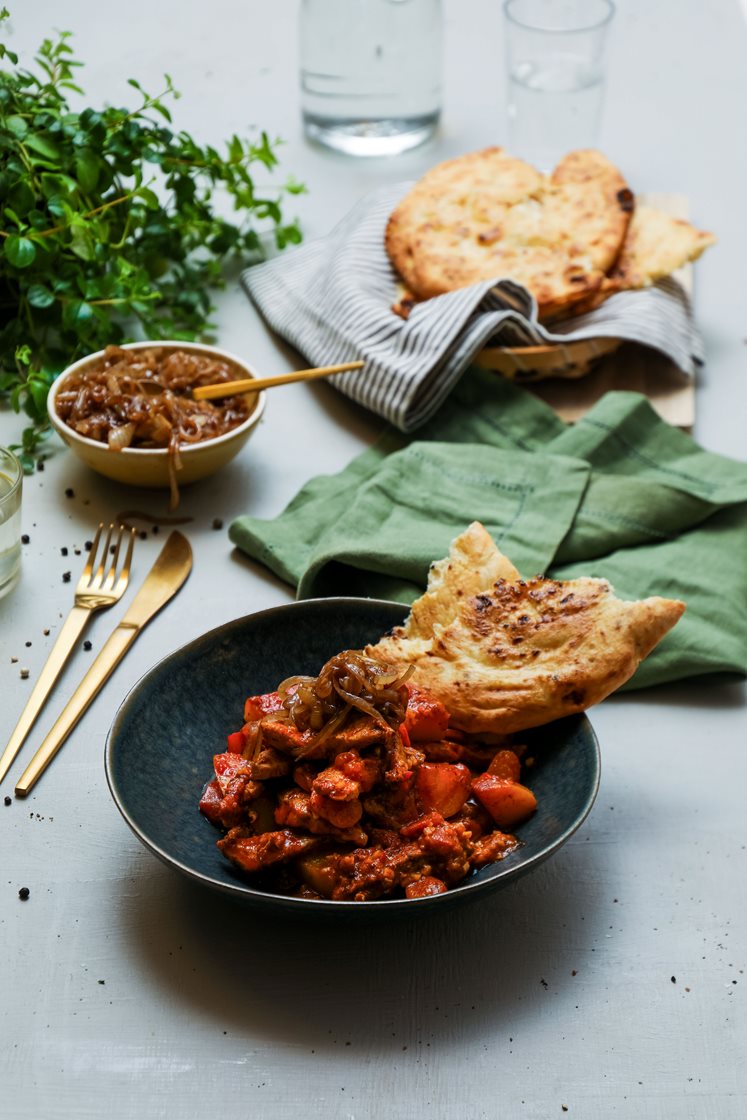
x: 109, y: 226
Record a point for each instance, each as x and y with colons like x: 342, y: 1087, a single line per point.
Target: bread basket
x: 535, y: 363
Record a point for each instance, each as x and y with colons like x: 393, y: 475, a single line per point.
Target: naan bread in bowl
x: 505, y: 654
x: 488, y: 215
x: 656, y: 245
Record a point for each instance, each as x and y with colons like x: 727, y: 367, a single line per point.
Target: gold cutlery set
x: 103, y: 583
x: 104, y: 580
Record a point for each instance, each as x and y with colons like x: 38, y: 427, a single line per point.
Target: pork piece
x: 356, y: 734
x: 426, y: 718
x: 335, y: 784
x: 295, y: 810
x: 226, y: 797
x: 255, y: 853
x: 287, y: 739
x: 341, y: 814
x: 304, y: 774
x: 392, y: 807
x: 270, y: 763
x: 445, y: 846
x: 359, y: 734
x: 496, y: 845
x: 445, y: 750
x: 476, y: 755
x: 399, y: 757
x: 362, y: 875
x: 232, y: 772
x: 365, y: 771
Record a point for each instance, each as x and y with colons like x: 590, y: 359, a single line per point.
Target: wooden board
x: 633, y: 367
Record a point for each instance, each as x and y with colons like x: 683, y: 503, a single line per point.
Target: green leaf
x: 16, y: 125
x: 83, y: 243
x: 77, y: 313
x: 38, y: 391
x: 149, y: 197
x: 59, y: 207
x: 87, y: 169
x: 292, y: 186
x: 45, y: 147
x: 20, y: 251
x: 21, y: 197
x: 55, y: 183
x: 39, y: 296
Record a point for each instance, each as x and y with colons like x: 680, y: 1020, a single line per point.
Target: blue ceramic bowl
x: 160, y: 748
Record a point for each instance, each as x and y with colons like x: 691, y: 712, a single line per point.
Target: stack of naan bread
x: 572, y: 238
x: 505, y: 654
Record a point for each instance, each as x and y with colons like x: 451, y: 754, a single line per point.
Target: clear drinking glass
x: 11, y: 484
x: 555, y: 55
x: 370, y: 73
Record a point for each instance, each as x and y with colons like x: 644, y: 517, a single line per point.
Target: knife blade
x: 172, y: 566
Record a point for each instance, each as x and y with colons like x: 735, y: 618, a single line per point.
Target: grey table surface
x: 611, y: 981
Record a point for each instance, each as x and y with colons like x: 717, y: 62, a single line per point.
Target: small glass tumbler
x: 370, y: 73
x: 11, y: 485
x: 555, y: 55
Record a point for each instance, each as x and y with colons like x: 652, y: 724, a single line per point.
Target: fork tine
x: 99, y: 574
x: 124, y: 575
x: 111, y: 574
x: 86, y: 575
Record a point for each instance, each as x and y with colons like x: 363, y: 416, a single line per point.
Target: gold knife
x: 167, y: 575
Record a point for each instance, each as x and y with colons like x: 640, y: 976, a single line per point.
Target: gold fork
x: 98, y: 587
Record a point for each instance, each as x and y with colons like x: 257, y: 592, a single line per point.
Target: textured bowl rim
x: 308, y: 906
x: 158, y: 452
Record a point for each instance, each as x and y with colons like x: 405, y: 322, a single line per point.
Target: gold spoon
x: 254, y: 384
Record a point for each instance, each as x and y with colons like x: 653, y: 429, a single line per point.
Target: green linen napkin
x: 620, y: 495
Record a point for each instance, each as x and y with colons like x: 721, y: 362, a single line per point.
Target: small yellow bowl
x: 149, y: 467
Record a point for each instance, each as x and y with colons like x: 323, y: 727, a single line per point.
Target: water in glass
x: 553, y: 106
x: 370, y: 73
x: 555, y: 53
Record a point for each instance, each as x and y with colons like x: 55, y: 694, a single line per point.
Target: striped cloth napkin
x: 332, y: 299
